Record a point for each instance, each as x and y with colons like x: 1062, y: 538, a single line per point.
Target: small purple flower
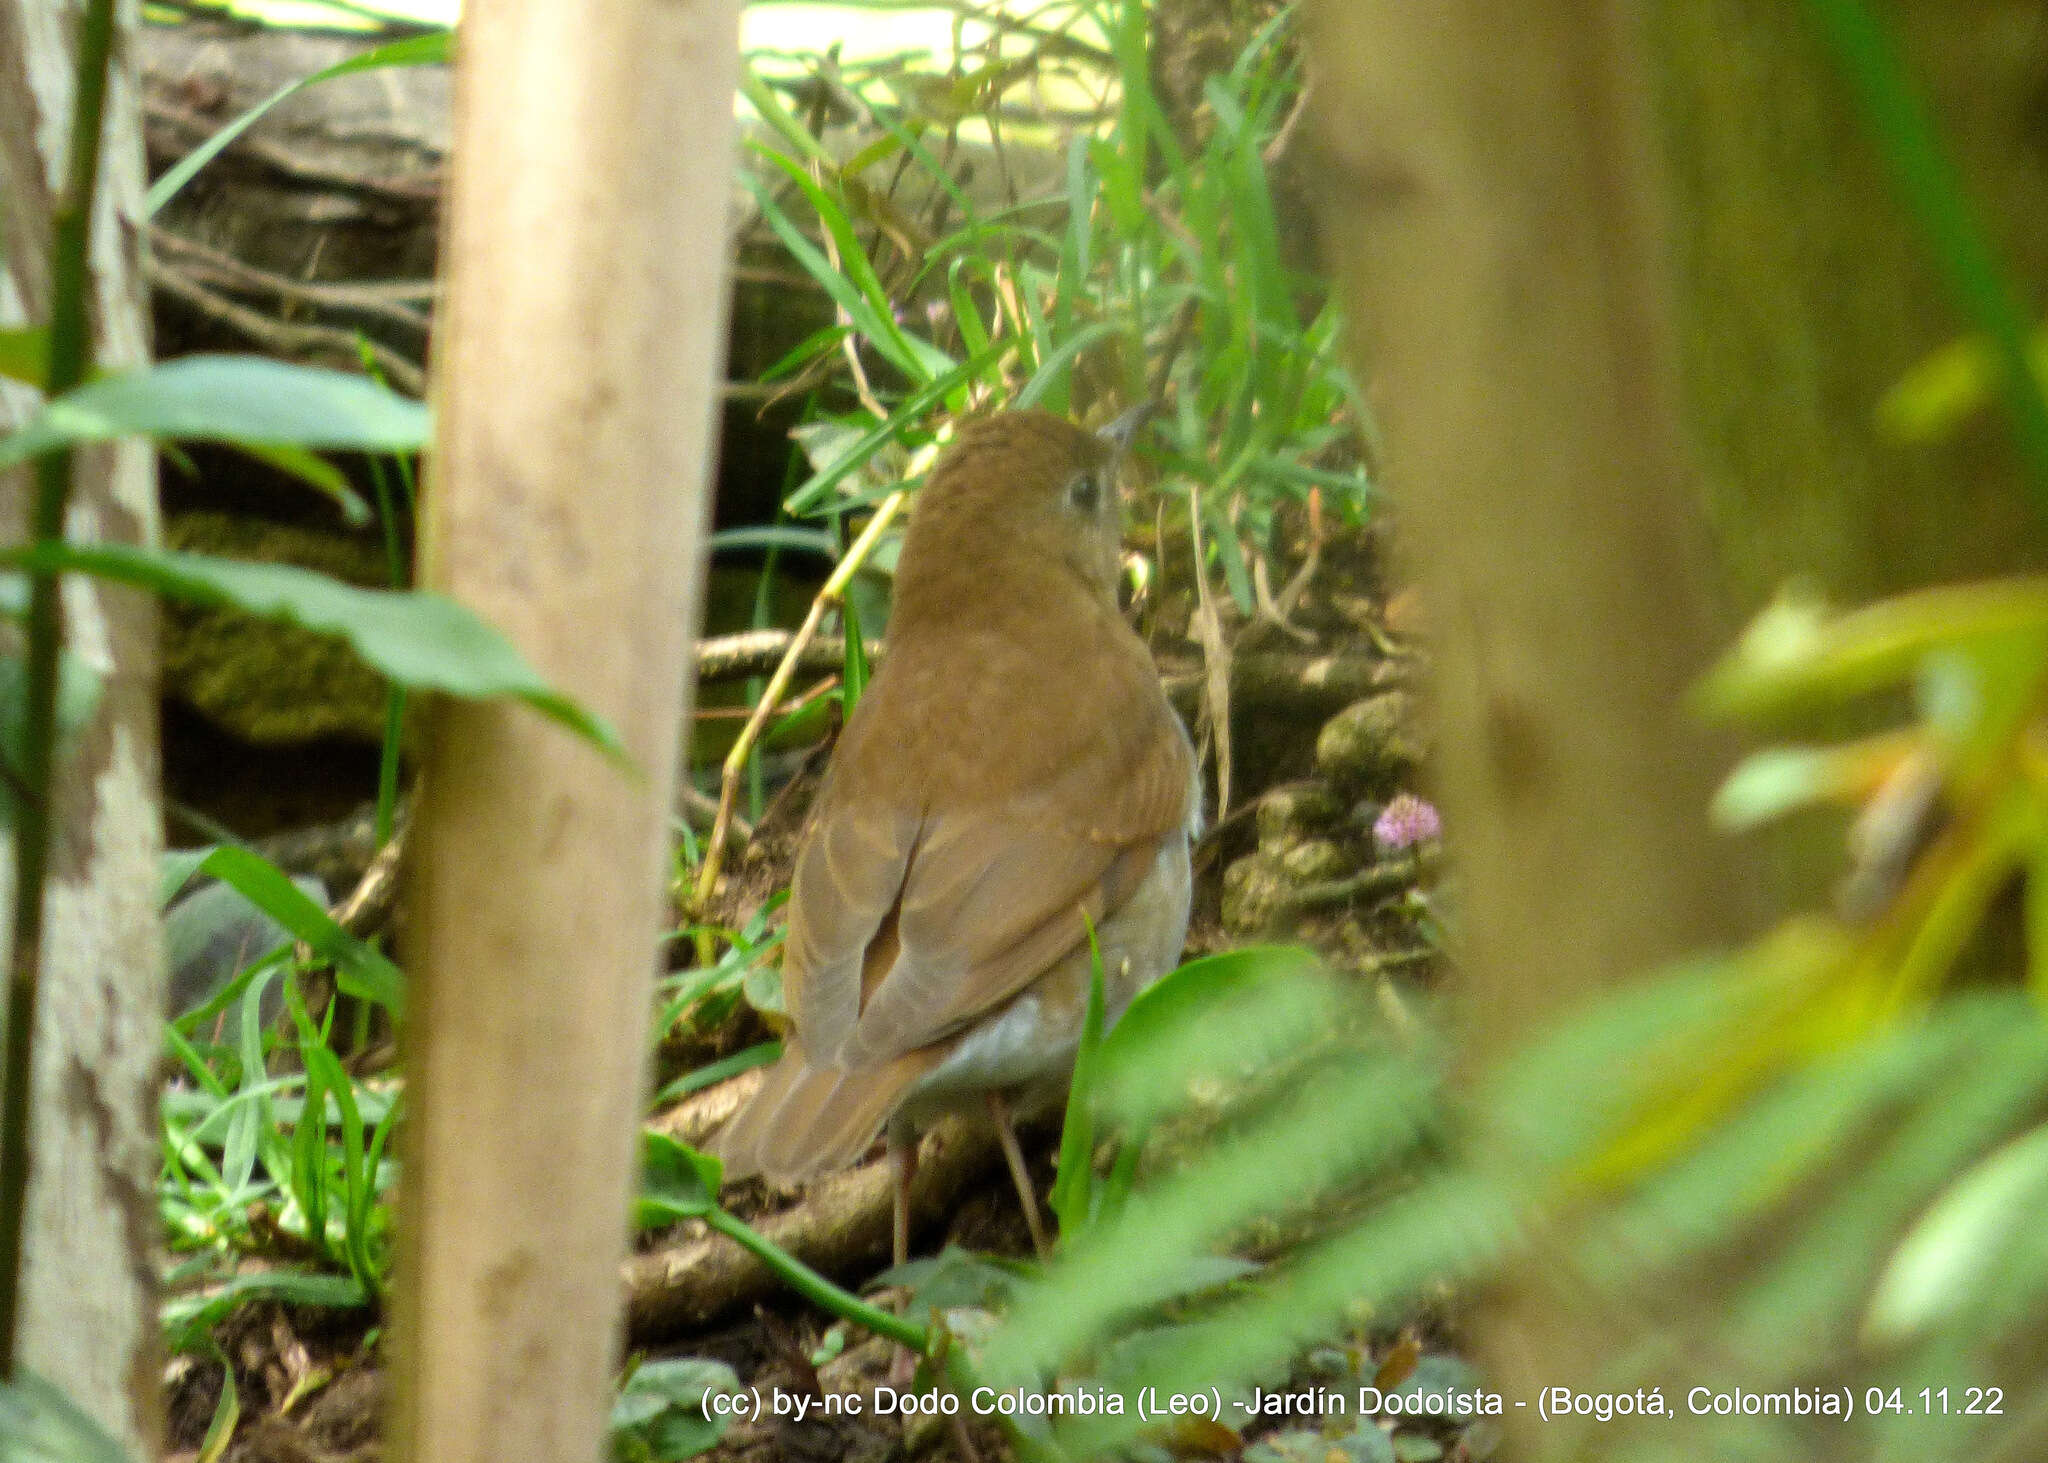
x: 1407, y: 821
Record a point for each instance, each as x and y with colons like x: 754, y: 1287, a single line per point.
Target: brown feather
x: 1013, y: 765
x: 803, y: 1121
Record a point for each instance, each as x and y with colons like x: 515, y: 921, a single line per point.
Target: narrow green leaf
x: 1933, y: 191
x: 760, y: 1054
x: 806, y: 498
x: 238, y: 399
x: 776, y: 536
x: 227, y: 1413
x: 854, y: 673
x: 315, y: 471
x: 185, y: 1316
x: 359, y: 968
x: 420, y: 639
x: 413, y: 51
x: 1047, y: 383
x: 175, y: 870
x: 1074, y: 1190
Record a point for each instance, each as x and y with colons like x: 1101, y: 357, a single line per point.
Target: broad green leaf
x: 218, y: 398
x: 1221, y: 1016
x: 413, y: 51
x: 39, y: 1424
x: 677, y: 1182
x: 1965, y: 1246
x: 1797, y: 653
x: 1340, y: 1122
x: 420, y: 639
x: 1778, y: 780
x: 955, y: 1279
x: 359, y: 968
x: 678, y: 1381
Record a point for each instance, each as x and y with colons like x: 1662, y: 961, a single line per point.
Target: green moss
x: 266, y: 683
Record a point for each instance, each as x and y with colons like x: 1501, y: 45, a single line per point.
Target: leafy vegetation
x: 1855, y: 1095
x: 1148, y: 269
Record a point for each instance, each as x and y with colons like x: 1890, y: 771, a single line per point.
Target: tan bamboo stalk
x: 576, y: 362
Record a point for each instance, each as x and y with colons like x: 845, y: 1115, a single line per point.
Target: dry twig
x: 736, y: 760
x: 841, y: 1228
x: 284, y: 339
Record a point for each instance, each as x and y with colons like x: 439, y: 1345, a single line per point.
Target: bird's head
x: 1017, y: 494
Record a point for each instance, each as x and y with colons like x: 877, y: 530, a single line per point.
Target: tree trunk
x: 1806, y: 291
x: 1493, y: 215
x: 577, y: 360
x: 88, y: 1298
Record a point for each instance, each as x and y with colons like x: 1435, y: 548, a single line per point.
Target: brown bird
x: 1013, y: 767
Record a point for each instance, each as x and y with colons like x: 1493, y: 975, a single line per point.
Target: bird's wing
x: 995, y: 890
x: 848, y: 878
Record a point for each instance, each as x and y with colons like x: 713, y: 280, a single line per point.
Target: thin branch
x: 206, y: 265
x: 753, y: 653
x: 282, y: 338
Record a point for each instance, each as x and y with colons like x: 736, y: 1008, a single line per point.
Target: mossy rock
x: 1255, y: 891
x: 1287, y: 812
x: 267, y: 683
x: 1370, y: 742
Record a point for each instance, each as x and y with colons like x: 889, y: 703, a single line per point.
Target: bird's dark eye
x: 1084, y: 494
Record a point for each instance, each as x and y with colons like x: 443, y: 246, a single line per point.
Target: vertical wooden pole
x: 1493, y: 216
x: 87, y: 1304
x: 578, y: 350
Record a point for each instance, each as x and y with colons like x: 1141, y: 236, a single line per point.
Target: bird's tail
x: 803, y: 1121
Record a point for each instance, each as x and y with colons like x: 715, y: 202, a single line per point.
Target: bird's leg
x: 1020, y: 1175
x: 903, y: 1165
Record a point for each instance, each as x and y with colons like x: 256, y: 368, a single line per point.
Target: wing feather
x: 937, y: 882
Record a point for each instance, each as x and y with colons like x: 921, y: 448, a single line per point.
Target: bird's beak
x: 1122, y: 432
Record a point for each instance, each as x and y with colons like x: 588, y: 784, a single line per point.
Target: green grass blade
x: 1933, y: 191
x: 413, y: 51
